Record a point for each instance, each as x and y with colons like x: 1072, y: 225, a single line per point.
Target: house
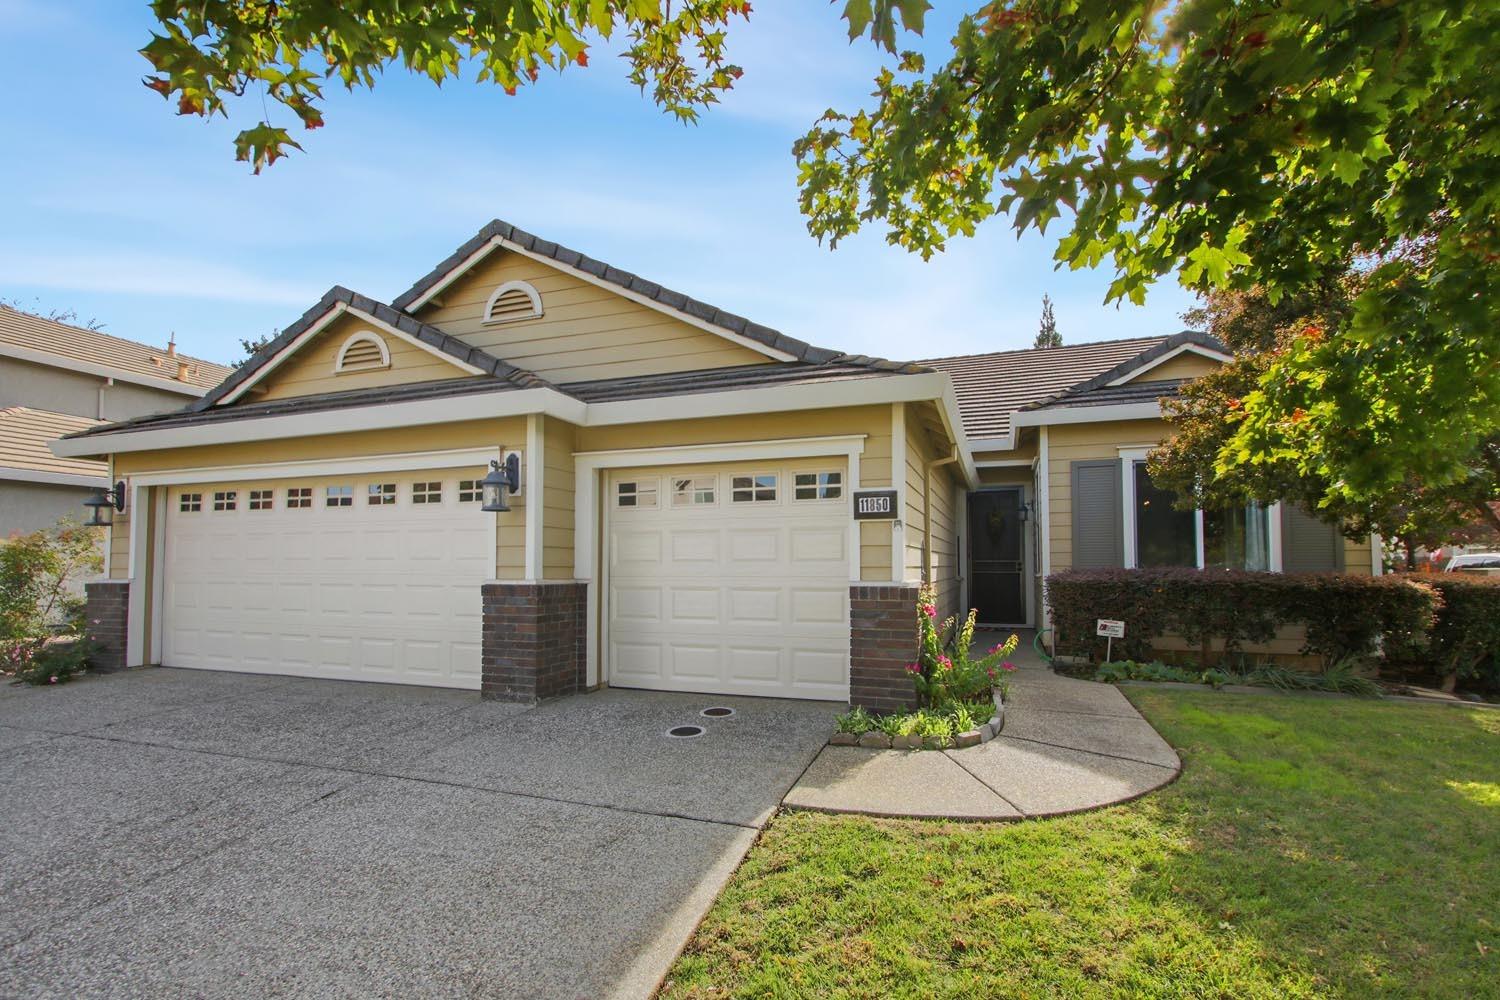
x: 57, y: 379
x: 699, y: 503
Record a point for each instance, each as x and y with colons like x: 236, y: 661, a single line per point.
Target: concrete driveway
x: 176, y: 833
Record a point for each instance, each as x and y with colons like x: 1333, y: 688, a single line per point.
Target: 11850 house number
x: 875, y: 505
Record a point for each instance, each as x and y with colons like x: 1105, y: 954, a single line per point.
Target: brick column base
x: 882, y: 641
x: 534, y: 635
x: 106, y: 613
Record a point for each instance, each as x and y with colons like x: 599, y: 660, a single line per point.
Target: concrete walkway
x: 1068, y: 746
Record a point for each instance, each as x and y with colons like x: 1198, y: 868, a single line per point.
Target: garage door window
x: 469, y: 491
x: 225, y: 500
x: 340, y: 496
x: 381, y: 494
x: 260, y: 499
x: 695, y: 491
x: 818, y: 485
x: 636, y: 493
x: 757, y: 488
x: 299, y: 498
x: 190, y: 503
x: 426, y: 493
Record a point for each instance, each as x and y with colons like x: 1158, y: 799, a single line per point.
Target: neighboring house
x: 692, y: 505
x: 57, y: 379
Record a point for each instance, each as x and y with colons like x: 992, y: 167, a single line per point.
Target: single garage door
x: 730, y: 579
x: 371, y: 578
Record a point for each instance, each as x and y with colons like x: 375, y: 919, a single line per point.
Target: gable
x: 1186, y: 365
x: 585, y: 331
x: 311, y: 370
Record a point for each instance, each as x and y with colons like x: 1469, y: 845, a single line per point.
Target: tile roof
x: 431, y: 335
x: 991, y: 387
x: 73, y: 343
x: 1106, y: 395
x: 726, y: 379
x: 710, y: 314
x: 1096, y: 387
x: 25, y: 434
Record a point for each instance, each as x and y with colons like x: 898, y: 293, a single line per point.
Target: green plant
x: 935, y: 728
x: 1464, y: 644
x: 857, y: 721
x: 56, y: 662
x: 895, y: 724
x: 36, y: 605
x: 946, y: 671
x: 1216, y: 678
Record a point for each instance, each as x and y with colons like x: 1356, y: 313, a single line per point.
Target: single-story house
x: 699, y: 503
x: 56, y: 379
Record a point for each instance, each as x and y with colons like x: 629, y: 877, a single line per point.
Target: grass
x: 1310, y: 848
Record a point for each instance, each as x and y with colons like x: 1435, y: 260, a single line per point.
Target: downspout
x: 927, y: 509
x: 102, y: 386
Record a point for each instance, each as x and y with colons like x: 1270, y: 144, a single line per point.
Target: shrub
x: 856, y: 721
x: 36, y: 606
x: 945, y: 670
x: 1344, y: 616
x: 1464, y: 643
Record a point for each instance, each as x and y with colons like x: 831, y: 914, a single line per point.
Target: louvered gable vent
x: 513, y: 301
x: 362, y: 351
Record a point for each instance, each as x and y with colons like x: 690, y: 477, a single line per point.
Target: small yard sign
x: 875, y: 505
x: 1111, y: 630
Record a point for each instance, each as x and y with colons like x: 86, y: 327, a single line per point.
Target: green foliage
x: 1341, y: 677
x: 946, y: 671
x: 1464, y: 643
x: 1047, y: 335
x: 1343, y: 615
x: 856, y: 721
x: 36, y: 606
x: 55, y: 662
x: 1250, y: 145
x: 206, y: 53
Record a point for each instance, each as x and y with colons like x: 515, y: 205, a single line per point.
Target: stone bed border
x: 876, y: 740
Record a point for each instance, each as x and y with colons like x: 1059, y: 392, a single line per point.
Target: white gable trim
x: 338, y: 309
x: 1198, y: 349
x: 474, y: 258
x: 1087, y: 414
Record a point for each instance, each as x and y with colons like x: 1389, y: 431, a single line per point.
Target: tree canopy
x: 1046, y: 334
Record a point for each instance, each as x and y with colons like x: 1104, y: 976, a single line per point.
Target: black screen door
x: 996, y: 556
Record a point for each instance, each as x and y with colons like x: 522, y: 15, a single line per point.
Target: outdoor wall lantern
x: 102, y: 505
x: 505, y: 476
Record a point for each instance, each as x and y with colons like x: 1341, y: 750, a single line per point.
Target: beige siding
x: 931, y: 510
x: 1185, y: 365
x: 585, y: 331
x: 310, y: 370
x: 558, y: 444
x: 1081, y: 442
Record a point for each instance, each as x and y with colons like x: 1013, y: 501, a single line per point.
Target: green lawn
x: 1311, y: 847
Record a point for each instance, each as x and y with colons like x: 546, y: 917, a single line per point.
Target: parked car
x: 1474, y: 562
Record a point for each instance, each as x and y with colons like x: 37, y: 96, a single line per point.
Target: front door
x: 996, y: 557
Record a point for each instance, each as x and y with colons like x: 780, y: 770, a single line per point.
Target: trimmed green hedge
x: 1464, y: 644
x: 1223, y: 611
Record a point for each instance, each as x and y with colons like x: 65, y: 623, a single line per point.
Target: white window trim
x: 638, y: 482
x: 1128, y: 458
x: 816, y: 487
x: 341, y: 367
x: 526, y: 288
x: 775, y: 486
x: 693, y: 489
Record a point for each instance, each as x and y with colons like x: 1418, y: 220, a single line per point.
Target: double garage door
x: 731, y: 579
x: 721, y: 579
x: 373, y: 578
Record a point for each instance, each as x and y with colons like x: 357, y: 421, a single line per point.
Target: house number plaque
x: 875, y: 505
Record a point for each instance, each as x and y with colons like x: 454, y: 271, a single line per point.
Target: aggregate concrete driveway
x: 174, y: 833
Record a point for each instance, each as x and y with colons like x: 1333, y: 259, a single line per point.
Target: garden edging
x: 876, y: 740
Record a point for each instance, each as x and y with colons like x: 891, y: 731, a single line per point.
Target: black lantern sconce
x: 504, y: 477
x: 103, y: 504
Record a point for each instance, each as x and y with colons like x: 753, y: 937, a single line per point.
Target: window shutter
x: 1309, y: 545
x: 1098, y: 521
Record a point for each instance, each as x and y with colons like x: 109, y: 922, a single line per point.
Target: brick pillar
x: 106, y: 612
x: 882, y: 641
x: 534, y: 635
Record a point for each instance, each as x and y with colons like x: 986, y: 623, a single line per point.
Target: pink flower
x: 1007, y: 665
x: 945, y: 663
x: 53, y: 679
x: 930, y: 610
x: 915, y: 668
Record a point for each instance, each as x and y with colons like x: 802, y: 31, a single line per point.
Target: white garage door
x: 730, y: 579
x: 372, y: 578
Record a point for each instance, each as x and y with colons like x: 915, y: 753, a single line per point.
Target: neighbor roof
x: 92, y: 350
x: 991, y: 387
x: 1097, y: 390
x: 25, y: 434
x: 712, y: 315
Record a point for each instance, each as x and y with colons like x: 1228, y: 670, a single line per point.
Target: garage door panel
x: 749, y: 664
x: 634, y: 550
x: 638, y: 605
x: 763, y: 546
x: 388, y: 592
x: 825, y: 668
x: 694, y: 550
x: 818, y: 606
x: 693, y: 663
x: 753, y: 606
x: 825, y: 546
x: 638, y: 662
x: 693, y: 606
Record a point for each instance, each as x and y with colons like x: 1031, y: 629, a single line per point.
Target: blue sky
x: 115, y: 207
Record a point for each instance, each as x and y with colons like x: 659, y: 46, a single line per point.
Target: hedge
x: 1464, y: 643
x: 1343, y: 615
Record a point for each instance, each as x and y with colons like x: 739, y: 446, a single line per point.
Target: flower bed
x: 962, y: 697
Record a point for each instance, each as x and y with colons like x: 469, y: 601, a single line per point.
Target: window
x: 426, y: 492
x: 757, y: 488
x: 261, y: 499
x: 1237, y: 538
x: 469, y: 491
x: 340, y: 496
x: 364, y: 351
x: 190, y: 503
x: 691, y: 492
x: 1164, y: 535
x: 299, y: 498
x: 636, y: 493
x: 512, y: 302
x: 818, y: 485
x: 225, y: 500
x: 381, y: 494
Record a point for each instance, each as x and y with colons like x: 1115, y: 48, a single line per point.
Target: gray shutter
x: 1308, y: 544
x: 1098, y: 528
